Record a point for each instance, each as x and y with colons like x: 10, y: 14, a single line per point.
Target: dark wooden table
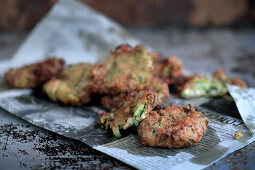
x: 24, y: 146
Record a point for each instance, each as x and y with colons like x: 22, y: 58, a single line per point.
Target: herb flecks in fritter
x: 207, y: 85
x: 160, y: 88
x: 72, y: 86
x: 172, y: 127
x: 125, y: 69
x: 203, y: 85
x: 134, y: 108
x: 155, y: 84
x: 111, y: 102
x: 34, y: 75
x: 170, y: 69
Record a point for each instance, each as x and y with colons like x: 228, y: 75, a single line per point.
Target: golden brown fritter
x: 172, y: 127
x: 170, y: 70
x: 202, y: 85
x: 160, y: 88
x: 125, y: 69
x: 155, y: 84
x: 207, y: 85
x: 111, y: 102
x: 72, y: 86
x: 221, y: 75
x: 134, y: 108
x: 156, y: 57
x: 237, y: 81
x: 34, y: 75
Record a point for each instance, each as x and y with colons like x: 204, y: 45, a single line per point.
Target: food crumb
x: 238, y: 135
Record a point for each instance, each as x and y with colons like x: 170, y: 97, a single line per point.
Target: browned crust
x: 186, y: 81
x: 221, y: 75
x: 170, y: 70
x: 111, y: 102
x: 155, y: 84
x: 237, y: 81
x: 72, y: 87
x: 34, y: 75
x: 172, y: 127
x: 128, y: 101
x: 121, y: 82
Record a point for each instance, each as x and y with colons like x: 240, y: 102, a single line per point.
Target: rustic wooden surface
x: 25, y: 146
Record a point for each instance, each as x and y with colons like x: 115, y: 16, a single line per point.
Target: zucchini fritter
x: 169, y: 70
x: 160, y: 88
x: 72, y: 86
x: 125, y: 69
x: 202, y: 85
x: 221, y: 75
x: 34, y: 75
x: 111, y: 102
x: 206, y: 85
x: 155, y: 84
x: 172, y: 127
x: 133, y: 109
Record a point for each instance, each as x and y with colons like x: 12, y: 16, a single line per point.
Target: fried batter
x: 237, y: 81
x: 155, y: 84
x: 111, y: 102
x: 115, y: 102
x: 172, y: 127
x: 34, y: 75
x: 160, y: 88
x: 202, y: 85
x: 221, y: 75
x: 206, y: 85
x: 170, y: 70
x: 125, y: 69
x: 156, y: 57
x: 72, y: 86
x: 134, y: 108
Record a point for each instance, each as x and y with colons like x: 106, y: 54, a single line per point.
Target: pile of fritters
x: 134, y: 87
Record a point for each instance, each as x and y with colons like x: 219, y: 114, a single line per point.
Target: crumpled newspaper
x: 245, y: 102
x: 77, y: 33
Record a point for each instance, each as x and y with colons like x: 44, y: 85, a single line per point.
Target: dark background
x: 24, y: 14
x: 205, y: 34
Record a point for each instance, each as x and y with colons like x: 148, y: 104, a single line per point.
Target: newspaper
x: 77, y: 33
